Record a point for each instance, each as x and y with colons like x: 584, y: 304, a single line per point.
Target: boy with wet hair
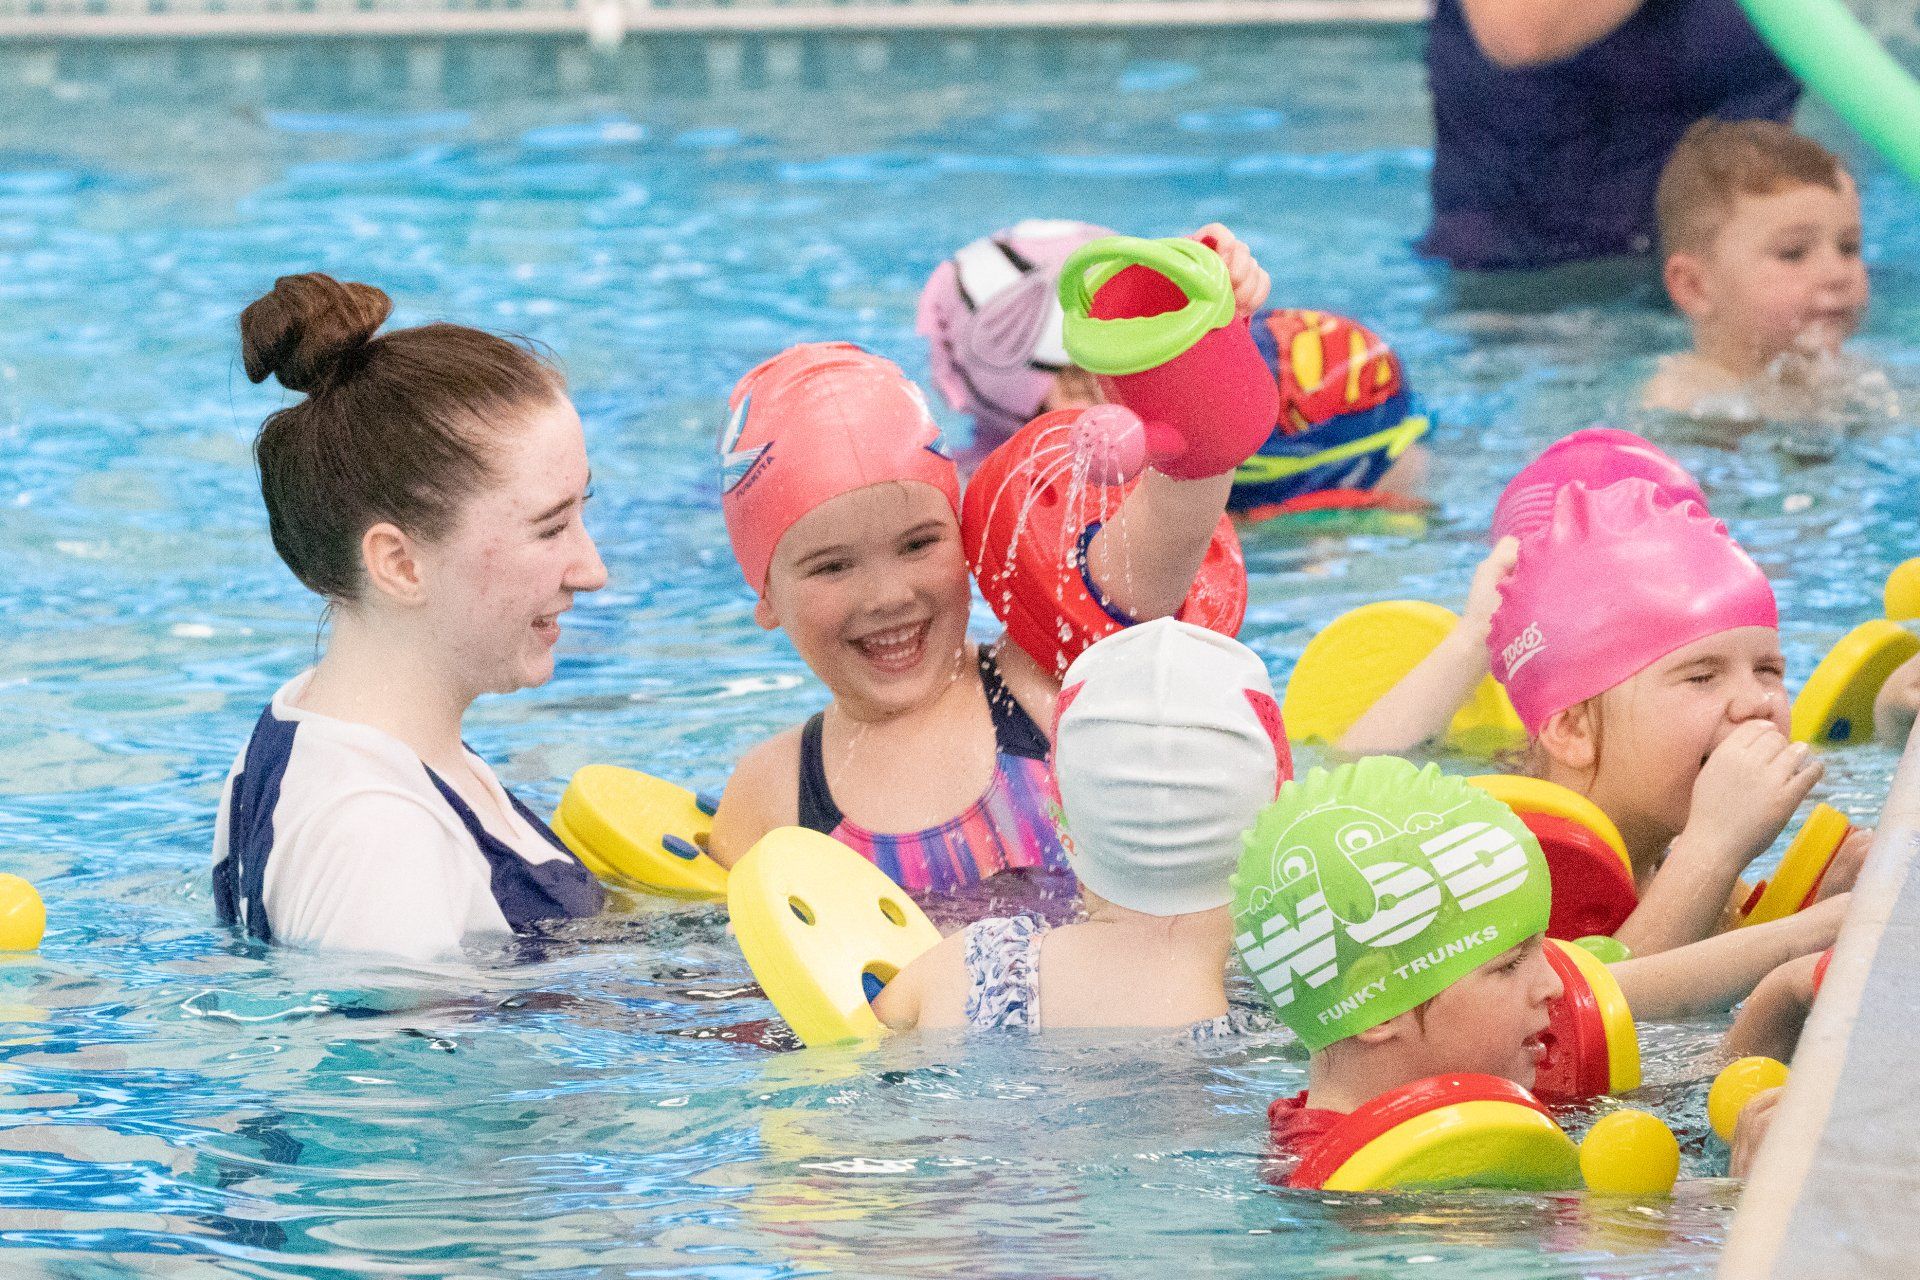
x: 1760, y: 228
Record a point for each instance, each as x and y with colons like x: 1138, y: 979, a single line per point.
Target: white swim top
x: 335, y: 835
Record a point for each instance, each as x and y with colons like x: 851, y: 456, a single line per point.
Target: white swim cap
x: 1167, y: 744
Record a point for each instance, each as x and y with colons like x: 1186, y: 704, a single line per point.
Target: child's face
x: 872, y: 589
x: 1659, y: 727
x: 1491, y: 1020
x: 1784, y: 273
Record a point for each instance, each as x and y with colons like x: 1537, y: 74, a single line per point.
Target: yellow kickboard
x: 1359, y: 656
x: 1903, y: 592
x: 1466, y: 1144
x: 639, y: 831
x: 819, y: 925
x: 1836, y: 705
x: 1802, y: 865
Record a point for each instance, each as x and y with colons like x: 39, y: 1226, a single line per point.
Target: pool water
x: 599, y: 1102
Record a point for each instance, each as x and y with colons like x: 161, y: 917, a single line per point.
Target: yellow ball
x: 1903, y: 591
x: 23, y: 917
x: 1630, y: 1153
x: 1735, y: 1087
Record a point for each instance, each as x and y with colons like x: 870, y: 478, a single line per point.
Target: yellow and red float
x: 1592, y: 1045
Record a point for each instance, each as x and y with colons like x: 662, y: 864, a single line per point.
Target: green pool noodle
x: 1839, y: 59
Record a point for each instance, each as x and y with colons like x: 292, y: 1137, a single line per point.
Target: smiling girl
x: 430, y: 488
x: 843, y: 510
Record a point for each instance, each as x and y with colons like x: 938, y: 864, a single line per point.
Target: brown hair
x: 1717, y: 161
x: 393, y: 428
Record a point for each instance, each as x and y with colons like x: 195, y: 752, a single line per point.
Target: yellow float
x: 1802, y: 867
x: 23, y: 916
x: 1836, y: 704
x: 1468, y: 1130
x: 1736, y: 1086
x: 1463, y: 1130
x: 638, y: 831
x: 823, y: 930
x: 1630, y: 1153
x: 1359, y: 656
x: 1592, y: 1045
x: 1536, y: 795
x: 1903, y: 592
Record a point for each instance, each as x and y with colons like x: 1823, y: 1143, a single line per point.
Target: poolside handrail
x: 607, y: 22
x: 1763, y: 1226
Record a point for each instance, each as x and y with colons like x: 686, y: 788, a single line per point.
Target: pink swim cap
x: 1617, y: 580
x: 816, y: 421
x: 1596, y: 457
x: 991, y: 316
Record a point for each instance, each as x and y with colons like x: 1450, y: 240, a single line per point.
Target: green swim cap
x: 1369, y: 890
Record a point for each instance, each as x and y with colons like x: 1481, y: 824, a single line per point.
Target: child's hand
x: 1483, y: 597
x: 1250, y: 280
x: 1898, y: 703
x: 1746, y: 792
x: 1750, y: 1130
x: 1768, y: 1024
x: 1847, y: 861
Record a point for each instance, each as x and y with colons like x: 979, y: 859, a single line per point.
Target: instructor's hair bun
x: 310, y: 330
x: 400, y: 428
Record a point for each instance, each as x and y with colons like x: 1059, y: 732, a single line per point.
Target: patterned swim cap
x: 1368, y: 890
x: 816, y: 421
x: 991, y: 317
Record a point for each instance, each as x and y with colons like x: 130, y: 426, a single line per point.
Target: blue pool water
x: 663, y: 218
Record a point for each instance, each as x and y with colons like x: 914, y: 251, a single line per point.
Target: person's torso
x: 1009, y: 826
x: 282, y: 813
x: 1558, y: 163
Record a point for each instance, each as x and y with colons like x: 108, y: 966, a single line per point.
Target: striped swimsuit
x: 1009, y: 826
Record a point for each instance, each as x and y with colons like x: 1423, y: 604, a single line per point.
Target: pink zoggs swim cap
x: 1596, y: 457
x: 1615, y: 582
x: 991, y: 317
x: 816, y: 421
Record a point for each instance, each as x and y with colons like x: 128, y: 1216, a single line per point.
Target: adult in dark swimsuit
x: 1552, y: 120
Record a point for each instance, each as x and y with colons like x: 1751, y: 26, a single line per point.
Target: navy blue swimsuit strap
x: 818, y: 812
x: 528, y: 892
x: 240, y: 878
x: 1014, y: 732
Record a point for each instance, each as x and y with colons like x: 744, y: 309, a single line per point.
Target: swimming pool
x: 663, y: 218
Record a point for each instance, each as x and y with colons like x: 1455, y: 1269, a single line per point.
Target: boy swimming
x: 1761, y: 231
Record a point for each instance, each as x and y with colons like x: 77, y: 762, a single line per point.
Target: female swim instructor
x: 1553, y: 118
x: 430, y: 488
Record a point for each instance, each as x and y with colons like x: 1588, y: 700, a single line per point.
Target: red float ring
x: 1395, y: 1107
x: 1593, y: 892
x: 1025, y: 524
x: 1576, y: 1064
